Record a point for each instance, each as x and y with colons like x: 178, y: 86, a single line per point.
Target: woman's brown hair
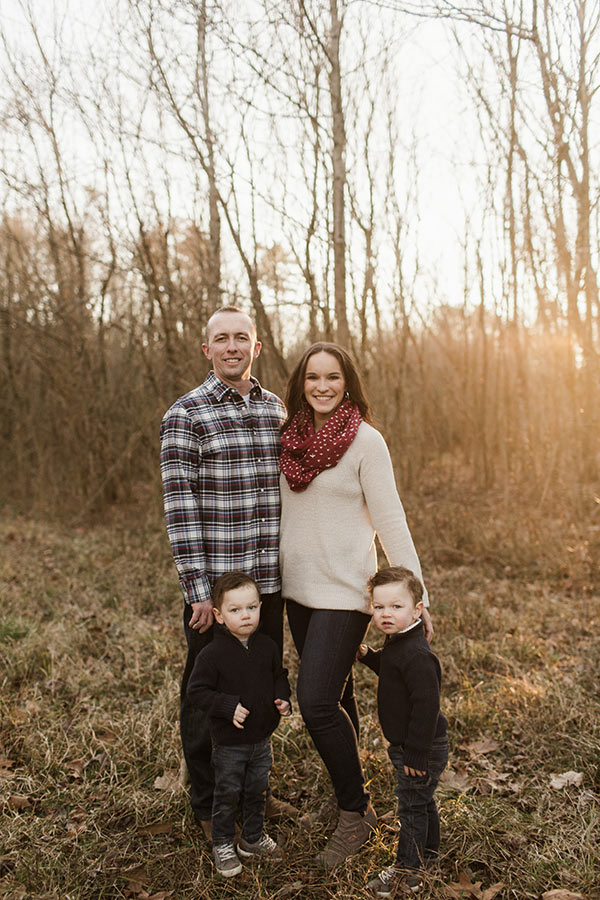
x: 294, y: 398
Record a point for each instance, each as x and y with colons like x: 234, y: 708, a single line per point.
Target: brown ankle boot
x: 353, y: 829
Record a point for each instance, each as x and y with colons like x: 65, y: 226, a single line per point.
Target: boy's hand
x: 283, y: 706
x: 240, y: 715
x: 362, y: 651
x: 413, y: 772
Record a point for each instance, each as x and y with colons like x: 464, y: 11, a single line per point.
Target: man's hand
x: 240, y: 715
x: 283, y: 706
x: 427, y: 623
x: 413, y: 772
x: 202, y: 616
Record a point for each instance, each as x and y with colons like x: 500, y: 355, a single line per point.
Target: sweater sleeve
x: 372, y: 659
x: 281, y: 685
x: 203, y: 689
x: 385, y: 508
x: 420, y: 675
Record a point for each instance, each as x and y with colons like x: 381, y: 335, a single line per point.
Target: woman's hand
x: 413, y: 772
x: 427, y: 624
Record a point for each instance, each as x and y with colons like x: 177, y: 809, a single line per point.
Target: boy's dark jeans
x: 241, y: 779
x: 417, y: 812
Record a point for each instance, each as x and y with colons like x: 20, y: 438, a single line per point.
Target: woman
x: 337, y: 490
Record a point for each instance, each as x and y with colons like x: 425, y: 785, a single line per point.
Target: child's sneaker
x: 227, y: 861
x: 264, y: 846
x: 391, y: 880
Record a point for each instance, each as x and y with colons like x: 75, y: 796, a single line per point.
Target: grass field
x: 90, y: 657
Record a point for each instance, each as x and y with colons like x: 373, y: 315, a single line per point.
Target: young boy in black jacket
x: 408, y: 703
x: 239, y: 680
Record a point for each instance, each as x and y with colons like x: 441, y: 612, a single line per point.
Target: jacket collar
x: 402, y: 635
x: 223, y: 633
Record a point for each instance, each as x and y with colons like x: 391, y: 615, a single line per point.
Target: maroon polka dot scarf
x: 306, y: 452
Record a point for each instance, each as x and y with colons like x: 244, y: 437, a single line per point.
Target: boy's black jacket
x: 226, y: 673
x: 408, y: 694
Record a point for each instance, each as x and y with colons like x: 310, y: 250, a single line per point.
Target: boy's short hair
x: 397, y: 575
x: 229, y: 582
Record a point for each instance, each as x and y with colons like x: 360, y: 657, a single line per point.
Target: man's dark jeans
x: 241, y: 780
x: 417, y: 812
x: 327, y: 641
x: 193, y: 721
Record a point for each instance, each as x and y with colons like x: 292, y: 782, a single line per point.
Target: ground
x: 91, y: 652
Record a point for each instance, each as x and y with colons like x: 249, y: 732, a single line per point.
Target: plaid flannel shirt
x: 220, y: 473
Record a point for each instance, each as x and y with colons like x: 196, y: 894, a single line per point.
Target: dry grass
x: 90, y: 656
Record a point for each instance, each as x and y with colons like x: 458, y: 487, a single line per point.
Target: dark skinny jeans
x: 241, y: 780
x: 417, y: 810
x: 327, y: 641
x: 193, y: 721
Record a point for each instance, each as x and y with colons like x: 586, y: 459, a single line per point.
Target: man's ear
x: 218, y: 616
x: 206, y: 351
x: 257, y: 349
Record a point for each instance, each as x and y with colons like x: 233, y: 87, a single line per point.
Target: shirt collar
x: 222, y: 391
x: 400, y: 634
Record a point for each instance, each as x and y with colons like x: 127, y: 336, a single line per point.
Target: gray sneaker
x: 227, y: 861
x: 391, y: 880
x: 264, y: 846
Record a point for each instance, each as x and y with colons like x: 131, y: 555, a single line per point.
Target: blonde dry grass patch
x: 91, y: 653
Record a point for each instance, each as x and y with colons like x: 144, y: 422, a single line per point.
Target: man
x: 220, y: 472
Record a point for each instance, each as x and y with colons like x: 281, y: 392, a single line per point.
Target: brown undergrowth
x: 90, y: 656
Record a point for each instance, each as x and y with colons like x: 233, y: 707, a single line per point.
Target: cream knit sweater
x: 327, y: 538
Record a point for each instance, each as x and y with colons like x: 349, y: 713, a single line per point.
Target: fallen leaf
x: 75, y: 767
x: 559, y: 894
x: 456, y: 781
x: 17, y: 801
x: 498, y: 781
x: 567, y: 778
x: 169, y: 781
x: 136, y: 873
x: 491, y: 892
x: 485, y: 745
x: 464, y: 885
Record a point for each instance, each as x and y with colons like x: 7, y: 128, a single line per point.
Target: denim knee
x: 316, y: 711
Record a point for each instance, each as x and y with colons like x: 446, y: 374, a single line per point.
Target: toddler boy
x: 408, y: 703
x: 239, y: 680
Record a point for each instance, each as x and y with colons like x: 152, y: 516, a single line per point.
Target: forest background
x: 160, y: 158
